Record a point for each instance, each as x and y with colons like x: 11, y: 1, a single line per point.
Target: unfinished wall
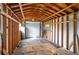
x: 47, y: 30
x: 65, y: 31
x: 10, y: 31
x: 78, y: 30
x: 60, y: 32
x: 71, y: 31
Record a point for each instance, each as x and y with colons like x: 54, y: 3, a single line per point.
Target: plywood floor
x: 38, y: 46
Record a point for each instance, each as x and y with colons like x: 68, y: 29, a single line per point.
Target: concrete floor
x: 38, y: 46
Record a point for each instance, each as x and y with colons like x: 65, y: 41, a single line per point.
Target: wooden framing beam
x: 37, y: 9
x: 74, y: 33
x: 12, y: 12
x: 45, y: 14
x: 44, y: 17
x: 22, y: 5
x: 21, y: 10
x: 7, y: 32
x: 59, y: 11
x: 41, y: 9
x: 67, y: 32
x: 7, y: 22
x: 54, y: 31
x: 64, y: 5
x: 58, y: 8
x: 5, y: 14
x: 49, y: 9
x: 58, y: 32
x: 26, y: 8
x: 62, y: 32
x: 31, y: 7
x: 69, y: 8
x: 41, y: 16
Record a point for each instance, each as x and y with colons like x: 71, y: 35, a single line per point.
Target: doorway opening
x: 30, y: 29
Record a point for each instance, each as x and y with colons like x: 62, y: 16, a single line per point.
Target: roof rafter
x: 12, y: 12
x: 64, y: 5
x: 56, y: 7
x: 34, y: 8
x: 42, y: 12
x: 22, y: 5
x: 49, y: 9
x: 21, y: 10
x: 39, y: 9
x: 59, y: 11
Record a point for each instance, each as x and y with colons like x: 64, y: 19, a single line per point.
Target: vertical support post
x: 74, y: 32
x: 41, y: 29
x: 25, y: 28
x: 58, y: 32
x: 67, y: 32
x: 49, y: 33
x: 7, y: 31
x: 62, y: 32
x: 10, y: 32
x: 54, y: 31
x: 1, y: 10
